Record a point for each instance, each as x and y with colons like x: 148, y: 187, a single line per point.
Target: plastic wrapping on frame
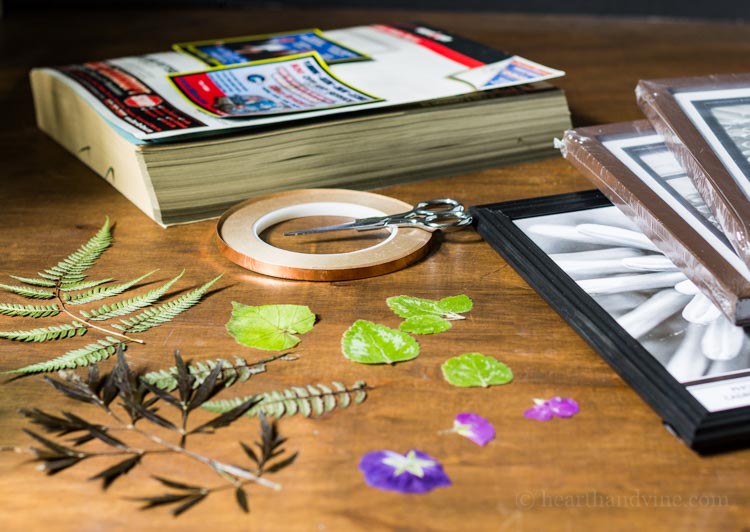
x: 729, y: 204
x: 727, y: 288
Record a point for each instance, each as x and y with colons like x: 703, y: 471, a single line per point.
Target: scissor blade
x: 325, y: 229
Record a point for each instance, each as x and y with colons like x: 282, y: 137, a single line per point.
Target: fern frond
x: 70, y: 287
x: 128, y: 306
x: 70, y: 270
x: 28, y: 292
x: 239, y: 371
x: 307, y: 401
x: 153, y: 317
x: 34, y: 281
x: 75, y: 358
x: 29, y: 311
x: 44, y: 334
x: 103, y: 292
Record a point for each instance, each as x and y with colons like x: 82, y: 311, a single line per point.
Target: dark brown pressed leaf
x: 207, y: 388
x: 51, y: 423
x: 111, y: 474
x: 97, y: 431
x: 250, y: 453
x: 241, y: 497
x: 159, y: 500
x: 61, y: 449
x: 278, y: 466
x: 74, y: 392
x: 195, y: 499
x: 228, y: 417
x: 153, y: 417
x: 176, y: 485
x: 108, y: 391
x: 184, y: 379
x: 162, y: 394
x: 52, y: 467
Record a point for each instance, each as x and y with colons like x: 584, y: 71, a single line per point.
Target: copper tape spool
x: 238, y: 232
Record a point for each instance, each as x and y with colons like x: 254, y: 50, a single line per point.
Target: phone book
x: 184, y: 134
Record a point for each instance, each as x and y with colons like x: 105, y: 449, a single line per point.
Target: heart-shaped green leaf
x: 269, y: 327
x: 427, y: 324
x: 371, y: 343
x: 476, y: 369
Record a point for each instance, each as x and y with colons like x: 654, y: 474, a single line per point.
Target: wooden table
x: 612, y: 467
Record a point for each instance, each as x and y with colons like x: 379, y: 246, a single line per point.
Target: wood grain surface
x: 613, y: 467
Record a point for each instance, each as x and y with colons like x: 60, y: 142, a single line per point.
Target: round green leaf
x: 476, y: 369
x: 429, y: 324
x: 371, y: 343
x: 455, y: 304
x: 269, y: 327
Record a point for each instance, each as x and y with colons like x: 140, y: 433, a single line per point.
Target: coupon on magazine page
x: 290, y: 76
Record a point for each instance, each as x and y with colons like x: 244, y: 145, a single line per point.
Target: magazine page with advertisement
x: 167, y: 95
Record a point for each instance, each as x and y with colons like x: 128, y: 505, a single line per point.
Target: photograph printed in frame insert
x: 572, y: 249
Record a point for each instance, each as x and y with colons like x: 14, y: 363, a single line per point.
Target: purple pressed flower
x: 474, y: 427
x: 555, y: 407
x: 414, y: 472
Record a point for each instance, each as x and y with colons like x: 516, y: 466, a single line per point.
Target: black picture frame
x: 702, y: 430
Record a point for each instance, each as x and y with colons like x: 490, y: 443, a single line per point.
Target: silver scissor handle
x: 435, y: 206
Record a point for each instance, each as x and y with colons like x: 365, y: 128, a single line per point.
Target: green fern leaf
x: 307, y: 401
x: 70, y: 287
x: 99, y: 292
x: 240, y: 371
x: 70, y: 269
x: 153, y: 317
x: 44, y: 334
x: 28, y: 292
x: 34, y: 281
x: 75, y: 358
x: 29, y: 311
x: 128, y: 306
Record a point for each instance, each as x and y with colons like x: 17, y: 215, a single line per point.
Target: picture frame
x: 702, y: 120
x: 708, y: 411
x: 632, y: 165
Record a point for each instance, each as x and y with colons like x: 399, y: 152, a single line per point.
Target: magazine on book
x: 211, y: 87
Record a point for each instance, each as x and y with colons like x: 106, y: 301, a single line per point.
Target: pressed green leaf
x: 449, y: 307
x: 75, y: 358
x: 308, y: 401
x: 166, y: 312
x: 427, y: 324
x: 128, y: 306
x: 476, y: 369
x: 34, y: 281
x: 29, y: 311
x: 84, y: 285
x: 102, y: 292
x: 371, y: 343
x: 456, y: 304
x: 43, y: 334
x: 28, y: 291
x: 70, y: 270
x: 269, y: 327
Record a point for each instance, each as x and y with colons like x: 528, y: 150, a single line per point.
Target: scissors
x: 429, y: 215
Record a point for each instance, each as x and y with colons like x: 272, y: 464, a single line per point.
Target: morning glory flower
x: 474, y: 427
x: 413, y: 472
x: 555, y: 407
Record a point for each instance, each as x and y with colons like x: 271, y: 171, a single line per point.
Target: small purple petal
x: 474, y: 427
x: 539, y: 412
x: 563, y: 406
x: 413, y: 472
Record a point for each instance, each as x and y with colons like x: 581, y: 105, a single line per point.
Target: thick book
x: 187, y: 133
x: 705, y: 121
x: 630, y: 163
x: 696, y: 376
